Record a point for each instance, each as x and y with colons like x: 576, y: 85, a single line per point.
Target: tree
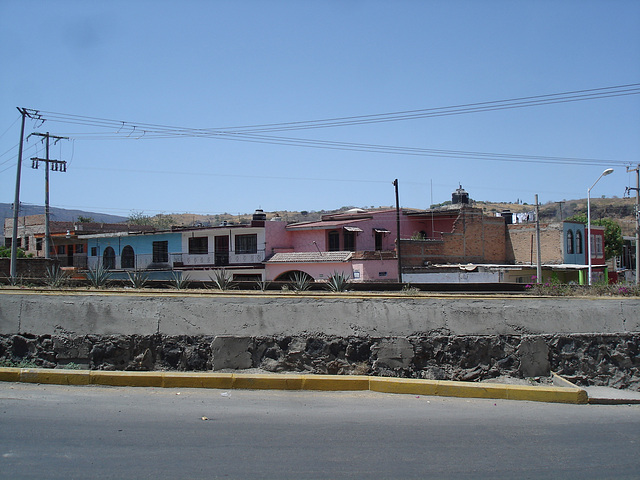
x: 612, y: 234
x: 82, y: 219
x: 5, y: 252
x: 160, y: 221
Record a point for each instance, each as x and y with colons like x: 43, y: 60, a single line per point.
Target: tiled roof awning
x: 310, y: 257
x: 352, y: 229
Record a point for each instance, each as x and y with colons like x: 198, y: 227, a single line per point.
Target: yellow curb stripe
x: 197, y: 380
x: 550, y: 394
x: 335, y: 382
x: 126, y: 379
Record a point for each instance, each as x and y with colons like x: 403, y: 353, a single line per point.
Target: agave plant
x: 301, y: 282
x: 222, y: 279
x: 138, y: 278
x: 55, y: 277
x: 179, y: 281
x: 262, y: 285
x: 338, y: 282
x: 99, y: 276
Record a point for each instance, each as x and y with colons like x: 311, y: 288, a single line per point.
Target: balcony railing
x: 146, y: 261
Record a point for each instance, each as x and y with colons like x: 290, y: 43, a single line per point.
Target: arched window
x: 128, y: 259
x: 579, y: 242
x: 570, y: 242
x: 109, y: 258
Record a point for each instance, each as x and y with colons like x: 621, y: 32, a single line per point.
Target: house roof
x: 311, y: 257
x: 325, y: 225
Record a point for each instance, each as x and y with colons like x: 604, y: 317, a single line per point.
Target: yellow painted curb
x: 197, y: 380
x: 55, y: 377
x: 567, y: 393
x: 403, y: 385
x: 268, y: 382
x: 9, y: 374
x: 335, y: 382
x: 126, y: 379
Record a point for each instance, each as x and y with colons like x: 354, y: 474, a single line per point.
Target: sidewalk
x: 612, y: 396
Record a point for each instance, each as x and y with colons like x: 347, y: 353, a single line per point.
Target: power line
x: 129, y: 130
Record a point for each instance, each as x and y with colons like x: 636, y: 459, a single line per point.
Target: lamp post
x: 608, y: 171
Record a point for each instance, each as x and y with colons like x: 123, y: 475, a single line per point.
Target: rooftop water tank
x: 460, y: 196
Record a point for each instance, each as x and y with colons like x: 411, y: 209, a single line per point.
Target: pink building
x: 358, y: 243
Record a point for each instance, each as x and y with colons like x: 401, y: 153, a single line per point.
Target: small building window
x: 128, y: 259
x: 26, y: 243
x: 246, y: 244
x: 79, y: 248
x: 38, y: 244
x: 599, y: 246
x: 570, y: 242
x: 109, y: 258
x: 334, y: 241
x: 198, y: 245
x: 94, y: 251
x: 378, y: 237
x: 349, y: 241
x: 579, y: 249
x: 160, y: 251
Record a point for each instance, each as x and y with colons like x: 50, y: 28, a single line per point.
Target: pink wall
x: 373, y: 270
x: 319, y: 271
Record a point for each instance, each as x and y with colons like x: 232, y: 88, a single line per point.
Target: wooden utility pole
x: 58, y: 166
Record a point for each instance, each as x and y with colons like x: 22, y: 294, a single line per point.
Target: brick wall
x: 521, y: 243
x: 475, y: 238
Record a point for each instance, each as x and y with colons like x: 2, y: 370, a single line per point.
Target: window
x: 161, y: 252
x: 94, y: 251
x: 579, y: 242
x: 599, y: 246
x: 378, y: 241
x: 198, y: 245
x: 570, y: 242
x: 79, y: 248
x: 246, y: 244
x: 128, y: 259
x: 349, y: 241
x: 62, y: 250
x: 8, y: 241
x: 109, y: 258
x: 26, y: 243
x: 38, y: 244
x: 334, y: 241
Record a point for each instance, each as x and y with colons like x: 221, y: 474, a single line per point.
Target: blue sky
x: 224, y: 64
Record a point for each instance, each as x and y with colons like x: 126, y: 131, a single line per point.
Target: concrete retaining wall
x: 268, y: 315
x: 592, y: 341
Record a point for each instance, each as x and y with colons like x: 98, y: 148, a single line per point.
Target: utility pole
x: 56, y: 165
x: 16, y: 203
x: 538, y: 249
x: 395, y: 184
x: 637, y: 189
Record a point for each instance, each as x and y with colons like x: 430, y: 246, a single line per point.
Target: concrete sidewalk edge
x: 565, y: 393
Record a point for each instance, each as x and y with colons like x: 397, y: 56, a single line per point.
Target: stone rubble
x: 586, y: 359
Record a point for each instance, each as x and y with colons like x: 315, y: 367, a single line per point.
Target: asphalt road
x: 110, y: 432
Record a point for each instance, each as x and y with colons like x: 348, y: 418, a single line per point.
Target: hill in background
x: 619, y: 209
x: 58, y: 214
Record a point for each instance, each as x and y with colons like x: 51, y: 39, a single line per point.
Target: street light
x: 608, y: 171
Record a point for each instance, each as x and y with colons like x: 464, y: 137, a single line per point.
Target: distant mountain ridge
x: 58, y: 214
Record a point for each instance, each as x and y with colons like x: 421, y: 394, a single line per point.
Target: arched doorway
x: 128, y: 259
x: 109, y: 258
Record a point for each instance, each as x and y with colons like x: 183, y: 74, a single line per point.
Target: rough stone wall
x: 587, y: 359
